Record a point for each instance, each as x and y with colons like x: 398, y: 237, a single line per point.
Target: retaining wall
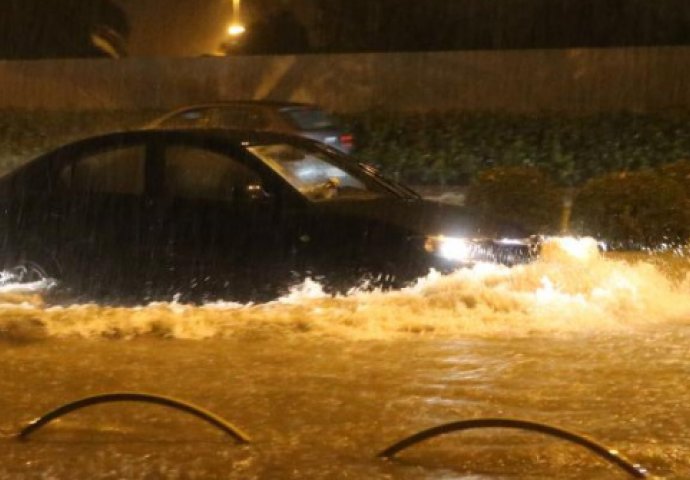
x: 580, y: 81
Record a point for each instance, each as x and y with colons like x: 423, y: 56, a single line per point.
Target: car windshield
x: 318, y: 176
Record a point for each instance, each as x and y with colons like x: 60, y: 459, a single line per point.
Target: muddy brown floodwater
x: 595, y: 345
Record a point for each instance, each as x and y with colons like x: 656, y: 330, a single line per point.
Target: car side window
x: 114, y: 171
x: 309, y: 118
x: 197, y: 173
x: 241, y: 118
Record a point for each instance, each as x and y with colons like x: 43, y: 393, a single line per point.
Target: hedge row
x: 447, y: 148
x: 450, y: 148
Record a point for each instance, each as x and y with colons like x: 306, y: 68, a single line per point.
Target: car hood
x: 416, y: 216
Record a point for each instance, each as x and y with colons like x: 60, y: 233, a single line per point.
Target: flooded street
x: 185, y: 184
x: 321, y: 385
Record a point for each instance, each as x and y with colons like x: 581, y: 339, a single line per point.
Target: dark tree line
x: 500, y: 24
x: 413, y: 25
x: 32, y: 29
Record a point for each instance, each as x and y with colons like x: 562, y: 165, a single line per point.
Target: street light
x: 236, y: 28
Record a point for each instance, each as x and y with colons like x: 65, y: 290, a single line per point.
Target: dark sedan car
x: 221, y: 214
x: 301, y: 119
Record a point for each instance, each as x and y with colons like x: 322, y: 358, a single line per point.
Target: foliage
x: 680, y: 172
x: 450, y: 147
x: 633, y: 210
x: 510, y: 197
x: 32, y: 29
x: 383, y: 25
x: 433, y: 148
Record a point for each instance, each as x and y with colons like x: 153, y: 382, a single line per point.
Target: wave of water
x: 571, y: 288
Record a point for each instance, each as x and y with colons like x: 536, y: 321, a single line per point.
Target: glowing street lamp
x: 236, y: 28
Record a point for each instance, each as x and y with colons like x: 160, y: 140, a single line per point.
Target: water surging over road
x: 572, y: 288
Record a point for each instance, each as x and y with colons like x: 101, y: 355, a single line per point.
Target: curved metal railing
x: 183, y: 406
x: 610, y: 455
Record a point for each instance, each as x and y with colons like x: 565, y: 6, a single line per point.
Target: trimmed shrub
x: 633, y: 210
x: 515, y: 200
x: 680, y: 172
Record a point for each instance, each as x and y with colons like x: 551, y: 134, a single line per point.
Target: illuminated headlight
x: 449, y: 248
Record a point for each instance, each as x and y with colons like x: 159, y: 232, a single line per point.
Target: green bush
x: 450, y: 147
x: 633, y: 210
x: 506, y: 197
x: 680, y: 172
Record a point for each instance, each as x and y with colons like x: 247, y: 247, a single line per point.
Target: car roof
x: 243, y: 103
x: 222, y: 134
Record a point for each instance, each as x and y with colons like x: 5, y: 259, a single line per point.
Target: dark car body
x: 302, y: 119
x: 214, y: 214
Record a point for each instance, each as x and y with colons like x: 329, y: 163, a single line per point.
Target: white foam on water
x: 570, y: 289
x: 9, y: 284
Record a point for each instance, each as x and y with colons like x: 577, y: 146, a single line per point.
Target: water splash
x: 572, y: 288
x: 10, y: 282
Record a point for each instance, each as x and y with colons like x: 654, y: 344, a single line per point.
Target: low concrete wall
x: 575, y: 81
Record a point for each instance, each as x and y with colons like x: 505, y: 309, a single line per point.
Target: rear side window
x: 309, y: 118
x: 240, y: 118
x: 115, y: 171
x: 197, y: 173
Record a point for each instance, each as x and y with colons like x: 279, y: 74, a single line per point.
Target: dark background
x: 67, y: 28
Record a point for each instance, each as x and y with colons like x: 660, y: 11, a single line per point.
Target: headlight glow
x: 449, y: 248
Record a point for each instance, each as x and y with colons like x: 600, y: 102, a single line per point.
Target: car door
x: 96, y: 212
x: 221, y: 221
